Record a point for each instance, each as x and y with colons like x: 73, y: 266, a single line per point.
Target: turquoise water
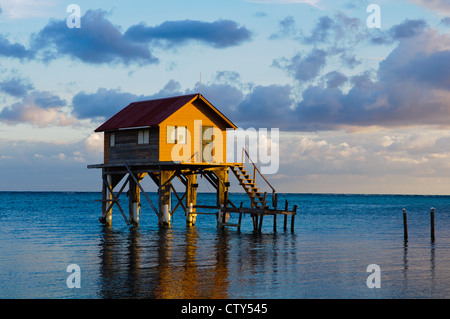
x: 336, y: 237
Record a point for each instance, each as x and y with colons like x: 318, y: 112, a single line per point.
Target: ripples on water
x: 336, y: 238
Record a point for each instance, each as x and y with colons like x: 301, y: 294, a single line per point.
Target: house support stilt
x: 191, y: 199
x: 163, y: 176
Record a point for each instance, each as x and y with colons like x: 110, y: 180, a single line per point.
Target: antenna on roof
x: 200, y: 84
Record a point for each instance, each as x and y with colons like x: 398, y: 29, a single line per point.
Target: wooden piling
x: 275, y: 206
x: 274, y: 222
x: 275, y: 200
x: 191, y: 199
x: 109, y: 198
x: 164, y: 195
x: 240, y: 220
x: 285, y: 216
x: 134, y: 201
x: 432, y: 224
x: 293, y: 218
x: 405, y: 225
x: 255, y: 222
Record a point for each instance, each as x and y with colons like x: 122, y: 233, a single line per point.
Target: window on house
x: 112, y: 139
x: 171, y: 134
x: 176, y: 134
x: 181, y: 134
x: 207, y: 143
x: 143, y: 136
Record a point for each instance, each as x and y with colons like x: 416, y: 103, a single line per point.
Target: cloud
x: 102, y: 104
x: 39, y: 108
x: 411, y: 88
x: 46, y: 165
x: 106, y: 102
x: 321, y: 31
x: 97, y: 42
x: 286, y: 28
x: 218, y: 34
x: 25, y: 9
x: 13, y: 50
x: 445, y: 21
x: 338, y: 30
x: 223, y: 95
x: 304, y: 67
x: 407, y: 29
x: 335, y: 79
x: 342, y: 31
x: 382, y: 161
x: 15, y: 86
x: 265, y: 106
x: 441, y: 6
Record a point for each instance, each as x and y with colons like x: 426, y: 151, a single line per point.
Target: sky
x: 360, y: 109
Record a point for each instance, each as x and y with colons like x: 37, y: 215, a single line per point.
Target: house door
x: 207, y: 144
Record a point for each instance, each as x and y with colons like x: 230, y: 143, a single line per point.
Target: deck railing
x: 255, y: 169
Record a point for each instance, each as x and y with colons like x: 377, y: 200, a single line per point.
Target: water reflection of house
x: 173, y: 267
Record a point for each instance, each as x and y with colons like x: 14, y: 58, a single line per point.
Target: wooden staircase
x: 249, y: 185
x: 248, y: 182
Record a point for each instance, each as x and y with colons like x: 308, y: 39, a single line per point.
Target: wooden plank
x: 206, y: 206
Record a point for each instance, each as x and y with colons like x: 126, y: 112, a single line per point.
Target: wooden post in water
x: 134, y: 202
x: 164, y: 194
x: 109, y: 198
x: 405, y: 225
x: 293, y: 218
x: 191, y: 199
x: 285, y: 216
x: 275, y: 206
x: 240, y: 219
x: 432, y: 223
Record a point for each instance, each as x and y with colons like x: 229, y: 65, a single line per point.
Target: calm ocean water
x: 336, y: 237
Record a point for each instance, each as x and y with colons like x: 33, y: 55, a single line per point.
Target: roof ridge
x: 166, y: 98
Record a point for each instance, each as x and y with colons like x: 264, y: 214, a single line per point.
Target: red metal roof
x: 148, y: 113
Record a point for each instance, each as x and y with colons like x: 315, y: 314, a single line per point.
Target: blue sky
x: 360, y: 110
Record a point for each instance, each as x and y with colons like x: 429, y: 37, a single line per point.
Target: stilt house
x: 176, y: 137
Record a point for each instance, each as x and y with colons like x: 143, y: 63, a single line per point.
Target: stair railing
x: 255, y: 169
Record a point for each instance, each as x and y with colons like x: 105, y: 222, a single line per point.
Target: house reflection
x: 164, y: 264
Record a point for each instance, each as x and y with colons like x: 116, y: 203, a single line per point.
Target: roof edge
x: 201, y: 97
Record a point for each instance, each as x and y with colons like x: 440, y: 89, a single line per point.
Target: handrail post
x: 256, y: 169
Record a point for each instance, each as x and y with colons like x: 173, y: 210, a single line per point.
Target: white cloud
x: 24, y: 9
x: 385, y: 161
x: 440, y: 6
x: 94, y: 143
x: 41, y: 109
